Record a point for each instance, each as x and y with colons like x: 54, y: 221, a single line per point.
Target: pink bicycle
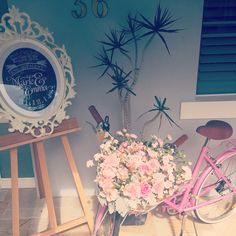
x: 211, y: 193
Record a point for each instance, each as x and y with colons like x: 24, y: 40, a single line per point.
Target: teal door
x: 24, y: 159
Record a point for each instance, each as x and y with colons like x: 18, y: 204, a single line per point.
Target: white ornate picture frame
x: 36, y: 76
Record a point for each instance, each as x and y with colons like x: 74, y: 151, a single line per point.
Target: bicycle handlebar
x: 97, y: 117
x: 100, y: 120
x: 180, y: 140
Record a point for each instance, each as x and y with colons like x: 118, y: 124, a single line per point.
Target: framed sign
x: 36, y: 76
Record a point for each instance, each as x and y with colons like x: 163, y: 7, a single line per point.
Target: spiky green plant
x: 123, y: 51
x: 161, y: 111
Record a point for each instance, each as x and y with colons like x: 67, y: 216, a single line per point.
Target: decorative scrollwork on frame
x: 36, y: 81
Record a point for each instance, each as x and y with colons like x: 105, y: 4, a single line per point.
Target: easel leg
x: 77, y: 180
x: 46, y: 185
x: 38, y: 174
x: 15, y: 193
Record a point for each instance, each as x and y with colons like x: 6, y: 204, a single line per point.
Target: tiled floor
x: 34, y: 218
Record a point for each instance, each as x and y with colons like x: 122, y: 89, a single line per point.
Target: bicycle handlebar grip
x: 95, y: 114
x: 180, y: 140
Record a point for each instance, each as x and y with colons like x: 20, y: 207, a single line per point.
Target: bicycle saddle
x: 215, y: 129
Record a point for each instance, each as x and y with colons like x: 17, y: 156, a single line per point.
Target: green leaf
x: 161, y: 109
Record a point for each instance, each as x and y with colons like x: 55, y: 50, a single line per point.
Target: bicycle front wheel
x: 212, y: 187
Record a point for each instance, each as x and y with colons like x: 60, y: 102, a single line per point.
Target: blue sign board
x: 29, y: 79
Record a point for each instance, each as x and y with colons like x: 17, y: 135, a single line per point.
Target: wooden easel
x: 11, y: 142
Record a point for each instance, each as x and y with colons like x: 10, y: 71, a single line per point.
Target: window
x: 217, y: 60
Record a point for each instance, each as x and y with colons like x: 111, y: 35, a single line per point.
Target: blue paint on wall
x: 80, y: 36
x: 3, y: 7
x: 24, y: 153
x: 24, y: 159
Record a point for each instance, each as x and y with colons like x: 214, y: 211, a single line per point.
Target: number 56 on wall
x: 99, y: 8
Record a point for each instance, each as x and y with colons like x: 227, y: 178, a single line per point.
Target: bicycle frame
x: 185, y: 200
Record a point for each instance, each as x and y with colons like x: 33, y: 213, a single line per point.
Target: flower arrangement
x: 135, y: 175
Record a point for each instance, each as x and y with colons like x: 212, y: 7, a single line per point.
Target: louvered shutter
x: 217, y: 60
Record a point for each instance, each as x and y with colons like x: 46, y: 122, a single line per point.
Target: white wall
x: 171, y: 76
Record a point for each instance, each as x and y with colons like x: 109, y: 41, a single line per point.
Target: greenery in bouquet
x: 134, y: 174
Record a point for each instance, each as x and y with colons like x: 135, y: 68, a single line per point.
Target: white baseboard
x: 30, y: 183
x: 73, y: 193
x: 90, y: 192
x: 23, y: 183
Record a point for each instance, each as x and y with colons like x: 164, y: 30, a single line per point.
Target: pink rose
x: 133, y: 148
x: 144, y: 168
x: 108, y: 173
x: 145, y: 189
x: 158, y: 188
x: 123, y: 173
x: 111, y: 194
x: 132, y: 190
x: 119, y: 133
x: 134, y: 136
x: 124, y: 144
x: 154, y: 164
x: 134, y: 162
x: 151, y: 153
x: 106, y: 183
x: 112, y: 161
x: 132, y: 165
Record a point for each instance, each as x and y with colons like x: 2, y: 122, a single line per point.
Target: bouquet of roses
x: 136, y: 175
